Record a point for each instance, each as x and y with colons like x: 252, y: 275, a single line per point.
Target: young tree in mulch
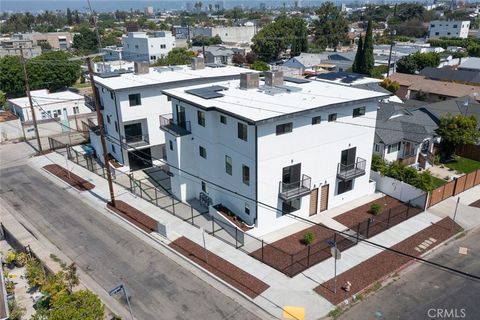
x: 455, y: 131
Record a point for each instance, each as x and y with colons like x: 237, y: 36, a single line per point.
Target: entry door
x: 348, y: 158
x: 324, y: 198
x: 291, y: 176
x: 181, y: 119
x: 313, y: 202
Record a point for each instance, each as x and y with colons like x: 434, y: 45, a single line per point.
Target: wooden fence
x: 471, y: 151
x: 454, y: 187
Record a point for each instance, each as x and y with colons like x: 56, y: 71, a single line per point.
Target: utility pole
x: 27, y: 89
x: 392, y: 34
x: 101, y: 130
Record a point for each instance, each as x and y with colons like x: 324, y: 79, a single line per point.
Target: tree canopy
x: 331, y: 28
x: 51, y: 70
x: 279, y: 35
x: 260, y: 65
x: 457, y: 130
x: 417, y: 61
x: 206, y: 41
x: 177, y: 56
x: 85, y: 41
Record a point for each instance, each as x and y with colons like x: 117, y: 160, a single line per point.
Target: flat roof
x: 164, y: 75
x: 43, y: 97
x: 270, y: 102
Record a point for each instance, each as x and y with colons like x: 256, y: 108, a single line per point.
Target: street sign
x: 335, y: 253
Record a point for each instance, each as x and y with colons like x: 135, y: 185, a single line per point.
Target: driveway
x: 160, y: 288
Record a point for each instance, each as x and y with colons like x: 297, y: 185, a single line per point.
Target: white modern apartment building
x: 449, y: 29
x: 131, y: 104
x: 139, y: 46
x: 48, y: 105
x: 282, y: 145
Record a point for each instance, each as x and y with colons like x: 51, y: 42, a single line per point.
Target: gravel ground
x: 223, y: 269
x: 385, y: 263
x: 72, y: 179
x: 133, y: 215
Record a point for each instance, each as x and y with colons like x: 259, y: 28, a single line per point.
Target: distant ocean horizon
x: 35, y: 6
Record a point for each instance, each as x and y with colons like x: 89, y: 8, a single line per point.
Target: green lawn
x: 81, y: 85
x: 464, y: 165
x: 438, y: 182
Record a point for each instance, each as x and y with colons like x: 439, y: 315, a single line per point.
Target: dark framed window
x: 113, y: 148
x: 284, y: 128
x: 170, y: 144
x: 202, y: 151
x: 316, y: 120
x: 223, y: 119
x: 228, y: 165
x: 108, y: 119
x: 247, y: 208
x: 358, y: 112
x: 201, y: 118
x: 112, y: 96
x: 134, y: 99
x: 116, y: 126
x: 332, y: 117
x: 204, y: 187
x: 393, y: 147
x: 242, y: 131
x: 291, y: 206
x: 246, y: 175
x: 344, y: 186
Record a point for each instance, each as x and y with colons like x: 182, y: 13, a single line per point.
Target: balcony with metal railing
x: 175, y: 128
x: 90, y: 103
x: 289, y: 191
x: 135, y: 141
x: 351, y: 171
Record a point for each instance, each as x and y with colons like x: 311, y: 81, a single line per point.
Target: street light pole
x: 27, y: 89
x: 101, y: 130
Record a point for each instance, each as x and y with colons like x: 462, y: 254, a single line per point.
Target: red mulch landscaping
x: 223, y: 269
x: 224, y: 211
x: 475, y: 204
x: 72, y: 179
x: 133, y: 215
x: 352, y: 218
x: 290, y: 256
x: 385, y: 263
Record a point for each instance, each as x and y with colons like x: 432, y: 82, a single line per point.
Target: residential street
x: 160, y: 288
x: 420, y: 292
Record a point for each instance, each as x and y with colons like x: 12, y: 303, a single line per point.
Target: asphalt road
x: 161, y: 289
x: 425, y: 292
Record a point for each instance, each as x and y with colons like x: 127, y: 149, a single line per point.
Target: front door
x: 313, y: 202
x: 291, y: 176
x: 324, y: 198
x: 181, y: 119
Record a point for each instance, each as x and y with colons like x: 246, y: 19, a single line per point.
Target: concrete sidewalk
x: 467, y: 217
x: 283, y: 291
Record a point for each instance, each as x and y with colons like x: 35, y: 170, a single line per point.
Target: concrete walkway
x: 467, y: 217
x: 283, y: 291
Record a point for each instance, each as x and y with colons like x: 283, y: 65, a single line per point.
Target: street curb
x: 190, y: 262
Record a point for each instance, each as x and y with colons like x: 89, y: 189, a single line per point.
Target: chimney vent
x: 141, y: 67
x: 249, y: 80
x: 198, y: 63
x: 274, y: 78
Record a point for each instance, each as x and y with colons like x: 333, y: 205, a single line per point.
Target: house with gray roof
x: 449, y: 74
x: 305, y: 61
x: 470, y: 63
x: 405, y: 135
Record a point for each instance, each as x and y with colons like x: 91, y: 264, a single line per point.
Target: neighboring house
x: 449, y: 29
x: 131, y: 104
x: 11, y: 47
x: 466, y: 106
x: 218, y: 55
x: 470, y: 64
x: 342, y: 60
x: 112, y: 53
x: 405, y: 135
x: 48, y: 105
x: 231, y: 35
x: 449, y: 74
x: 291, y: 145
x: 112, y: 66
x: 56, y: 40
x: 139, y: 46
x: 418, y: 87
x: 306, y: 61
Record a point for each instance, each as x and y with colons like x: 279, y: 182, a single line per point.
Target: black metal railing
x: 350, y: 171
x: 176, y: 128
x: 136, y: 141
x: 288, y: 191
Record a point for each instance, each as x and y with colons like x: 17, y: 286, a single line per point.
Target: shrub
x: 17, y: 311
x: 22, y: 259
x: 260, y: 66
x: 34, y: 273
x: 308, y: 238
x: 11, y: 257
x: 390, y: 85
x: 375, y: 208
